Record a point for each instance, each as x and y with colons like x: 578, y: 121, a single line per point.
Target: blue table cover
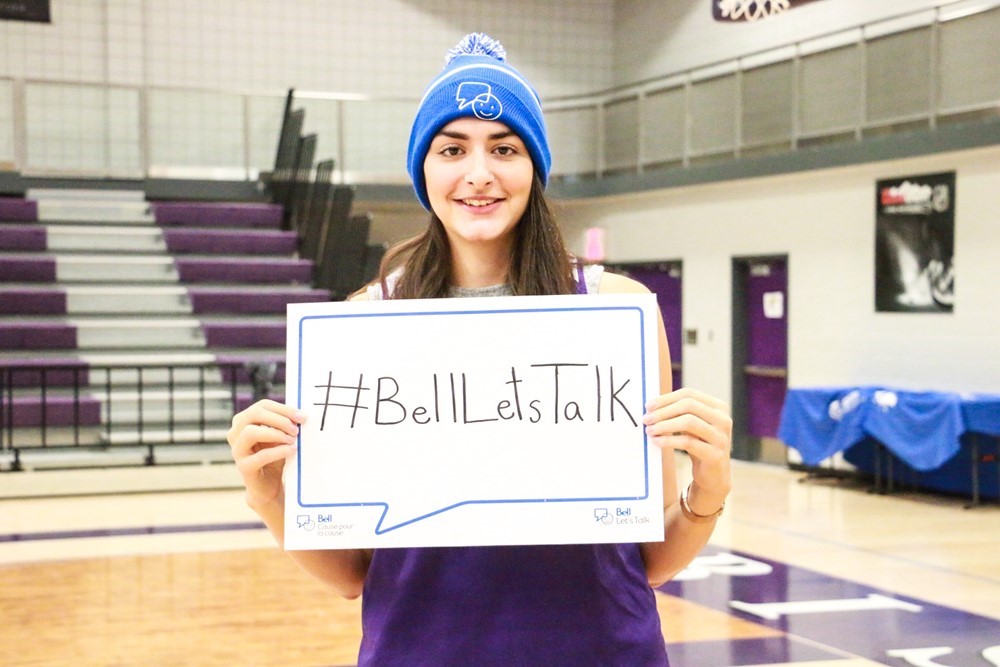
x: 981, y: 413
x: 923, y: 429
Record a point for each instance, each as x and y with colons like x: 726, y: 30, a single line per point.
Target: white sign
x: 460, y: 422
x: 774, y: 305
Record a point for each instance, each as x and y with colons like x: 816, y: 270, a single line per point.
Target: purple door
x: 664, y: 280
x: 766, y: 368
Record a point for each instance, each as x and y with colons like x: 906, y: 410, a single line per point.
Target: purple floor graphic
x: 823, y: 614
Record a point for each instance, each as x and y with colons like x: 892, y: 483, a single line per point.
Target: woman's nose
x: 480, y: 174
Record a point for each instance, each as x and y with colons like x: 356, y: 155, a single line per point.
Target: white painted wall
x: 825, y: 222
x: 373, y: 47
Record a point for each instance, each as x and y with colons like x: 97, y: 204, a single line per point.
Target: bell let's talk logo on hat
x: 485, y: 105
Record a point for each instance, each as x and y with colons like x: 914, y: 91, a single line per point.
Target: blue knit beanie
x: 477, y: 82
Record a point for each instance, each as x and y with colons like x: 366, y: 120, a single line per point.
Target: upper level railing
x: 915, y: 70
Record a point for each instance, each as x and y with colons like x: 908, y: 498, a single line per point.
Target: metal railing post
x: 145, y: 150
x: 5, y: 415
x: 20, y: 121
x: 44, y: 408
x: 76, y: 406
x: 247, y: 136
x: 170, y: 401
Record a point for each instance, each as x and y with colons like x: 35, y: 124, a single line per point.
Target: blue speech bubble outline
x: 379, y: 530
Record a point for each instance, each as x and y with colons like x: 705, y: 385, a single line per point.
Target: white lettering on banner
x: 992, y: 655
x: 772, y: 611
x: 703, y: 567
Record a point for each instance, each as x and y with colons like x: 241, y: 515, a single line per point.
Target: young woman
x: 479, y: 160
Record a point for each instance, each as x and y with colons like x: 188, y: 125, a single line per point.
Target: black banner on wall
x: 915, y: 244
x: 740, y: 11
x: 25, y: 10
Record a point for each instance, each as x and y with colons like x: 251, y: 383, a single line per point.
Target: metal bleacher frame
x: 319, y: 210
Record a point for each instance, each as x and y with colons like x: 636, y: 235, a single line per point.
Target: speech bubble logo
x: 479, y: 407
x: 479, y: 96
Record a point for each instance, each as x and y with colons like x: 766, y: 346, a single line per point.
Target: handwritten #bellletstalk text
x: 552, y: 393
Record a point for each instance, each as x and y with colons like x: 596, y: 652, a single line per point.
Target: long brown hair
x: 539, y: 262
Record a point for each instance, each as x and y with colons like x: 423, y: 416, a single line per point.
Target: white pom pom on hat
x: 476, y: 44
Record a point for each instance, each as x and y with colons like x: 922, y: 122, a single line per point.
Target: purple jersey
x: 530, y: 605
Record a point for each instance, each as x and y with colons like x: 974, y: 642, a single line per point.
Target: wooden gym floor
x: 807, y: 572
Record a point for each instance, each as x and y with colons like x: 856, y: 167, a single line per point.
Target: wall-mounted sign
x: 25, y: 10
x: 914, y: 244
x: 774, y: 305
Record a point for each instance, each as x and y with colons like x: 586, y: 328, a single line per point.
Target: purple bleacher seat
x: 23, y: 237
x: 37, y: 336
x: 17, y: 269
x: 54, y: 372
x: 244, y: 334
x: 218, y: 214
x: 243, y: 270
x: 228, y: 241
x: 17, y: 209
x: 26, y: 301
x: 221, y: 300
x: 58, y: 411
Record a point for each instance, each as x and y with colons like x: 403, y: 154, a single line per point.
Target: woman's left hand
x: 700, y: 425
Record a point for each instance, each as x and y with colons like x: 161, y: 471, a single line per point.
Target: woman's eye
x: 450, y: 151
x: 505, y: 151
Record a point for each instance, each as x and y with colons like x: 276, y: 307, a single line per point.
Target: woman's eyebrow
x: 464, y: 137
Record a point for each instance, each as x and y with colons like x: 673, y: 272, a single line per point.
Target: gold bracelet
x: 693, y: 516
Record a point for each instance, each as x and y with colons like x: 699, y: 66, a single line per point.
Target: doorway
x: 664, y: 279
x: 760, y: 356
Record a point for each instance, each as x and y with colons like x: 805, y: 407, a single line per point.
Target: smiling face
x: 478, y: 176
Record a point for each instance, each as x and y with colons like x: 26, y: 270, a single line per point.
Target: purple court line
x: 120, y: 532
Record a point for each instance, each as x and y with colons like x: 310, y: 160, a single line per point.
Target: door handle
x: 766, y: 371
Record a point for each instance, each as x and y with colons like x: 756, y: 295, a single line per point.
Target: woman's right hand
x: 261, y: 439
